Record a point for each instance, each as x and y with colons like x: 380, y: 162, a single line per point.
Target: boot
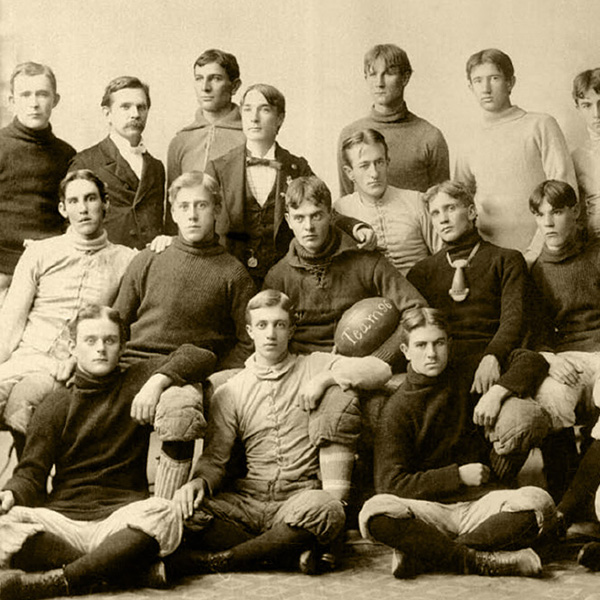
x: 589, y: 556
x: 185, y: 562
x: 403, y: 565
x: 18, y: 585
x: 523, y: 563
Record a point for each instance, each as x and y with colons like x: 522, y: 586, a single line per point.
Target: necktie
x: 459, y: 290
x: 253, y: 161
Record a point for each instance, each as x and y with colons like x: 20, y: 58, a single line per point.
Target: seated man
x: 53, y: 279
x: 253, y: 179
x: 98, y: 524
x: 398, y: 217
x: 567, y: 329
x: 193, y: 292
x: 482, y: 288
x: 324, y: 274
x: 278, y: 509
x: 586, y: 158
x: 439, y: 504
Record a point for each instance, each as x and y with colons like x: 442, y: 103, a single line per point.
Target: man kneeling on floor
x: 278, y: 509
x: 98, y: 523
x: 438, y: 504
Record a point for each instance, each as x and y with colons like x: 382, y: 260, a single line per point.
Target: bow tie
x: 253, y: 161
x: 138, y: 150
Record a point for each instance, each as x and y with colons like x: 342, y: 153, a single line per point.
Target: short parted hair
x: 97, y: 311
x: 224, y: 59
x: 584, y: 82
x: 193, y: 179
x: 310, y: 189
x: 414, y: 318
x: 493, y: 56
x: 272, y: 95
x: 392, y: 56
x: 370, y: 137
x: 82, y: 174
x: 455, y: 189
x: 31, y: 69
x: 558, y: 194
x: 124, y: 82
x: 268, y: 298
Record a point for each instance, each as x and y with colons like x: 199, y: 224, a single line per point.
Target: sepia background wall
x: 310, y: 49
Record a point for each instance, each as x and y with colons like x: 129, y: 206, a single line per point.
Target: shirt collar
x: 124, y: 147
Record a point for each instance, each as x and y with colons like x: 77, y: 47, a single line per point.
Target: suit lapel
x: 118, y: 166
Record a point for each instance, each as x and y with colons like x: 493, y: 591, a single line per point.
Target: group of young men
x: 144, y: 315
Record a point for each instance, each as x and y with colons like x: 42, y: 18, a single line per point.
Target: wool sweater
x: 187, y: 294
x: 197, y: 144
x: 567, y: 298
x: 322, y: 289
x: 98, y: 450
x: 32, y: 164
x: 492, y: 318
x: 503, y: 159
x: 586, y: 160
x: 427, y: 432
x: 418, y: 151
x: 401, y: 222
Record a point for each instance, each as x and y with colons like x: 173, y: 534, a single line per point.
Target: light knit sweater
x: 197, y: 144
x: 586, y: 159
x: 503, y: 160
x: 418, y: 151
x: 401, y: 222
x: 53, y: 280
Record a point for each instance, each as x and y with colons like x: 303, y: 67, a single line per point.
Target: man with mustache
x: 135, y: 180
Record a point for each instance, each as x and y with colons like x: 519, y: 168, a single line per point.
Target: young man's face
x: 128, y: 113
x: 33, y: 99
x: 427, y: 350
x: 557, y: 225
x: 271, y: 331
x: 214, y: 89
x: 260, y: 120
x: 97, y: 348
x: 310, y: 224
x: 369, y: 170
x: 451, y: 218
x: 589, y: 109
x: 195, y: 213
x: 84, y: 209
x: 491, y: 87
x: 386, y: 85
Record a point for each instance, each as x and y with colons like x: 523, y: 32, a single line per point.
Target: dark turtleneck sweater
x: 190, y: 293
x: 322, y: 287
x: 567, y: 298
x: 87, y: 433
x: 426, y: 431
x: 492, y: 318
x: 32, y: 164
x: 418, y: 151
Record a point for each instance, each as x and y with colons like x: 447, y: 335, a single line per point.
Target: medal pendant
x: 252, y: 262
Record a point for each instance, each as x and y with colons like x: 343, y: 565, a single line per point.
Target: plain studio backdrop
x: 312, y: 50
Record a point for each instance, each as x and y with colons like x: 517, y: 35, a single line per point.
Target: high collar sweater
x: 98, y: 450
x: 568, y: 298
x: 190, y: 293
x: 32, y: 164
x: 323, y: 287
x: 492, y: 318
x: 200, y: 142
x: 418, y: 151
x: 426, y: 434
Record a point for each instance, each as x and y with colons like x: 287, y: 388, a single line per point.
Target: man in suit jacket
x: 135, y: 180
x: 253, y: 179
